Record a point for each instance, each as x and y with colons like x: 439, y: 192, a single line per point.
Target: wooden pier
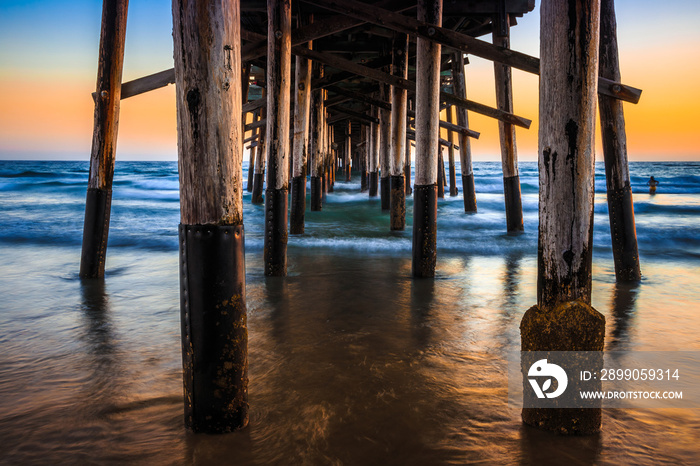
x: 330, y: 85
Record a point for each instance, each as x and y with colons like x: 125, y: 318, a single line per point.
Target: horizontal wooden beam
x: 486, y: 7
x: 462, y: 42
x: 335, y: 78
x: 486, y: 110
x: 357, y: 115
x: 339, y: 99
x: 619, y: 91
x: 254, y: 105
x: 368, y: 99
x: 252, y: 138
x: 342, y: 117
x: 255, y: 124
x: 147, y: 83
x: 450, y: 126
x: 410, y: 134
x: 336, y: 118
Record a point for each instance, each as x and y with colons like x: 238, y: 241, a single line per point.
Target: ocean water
x: 351, y: 360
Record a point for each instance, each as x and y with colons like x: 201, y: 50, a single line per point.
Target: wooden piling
x: 279, y: 64
x: 407, y: 160
x: 98, y: 200
x: 465, y: 147
x: 563, y: 319
x: 364, y: 157
x: 260, y: 159
x: 509, y: 153
x: 245, y: 83
x: 300, y: 145
x: 290, y: 144
x: 427, y: 127
x: 451, y: 155
x: 212, y: 254
x: 245, y: 89
x: 330, y: 159
x: 566, y: 154
x: 317, y: 130
x: 253, y: 151
x: 324, y: 151
x: 399, y: 97
x: 348, y: 152
x: 441, y: 175
x: 385, y: 147
x: 407, y: 168
x: 375, y: 136
x: 354, y: 162
x: 612, y: 122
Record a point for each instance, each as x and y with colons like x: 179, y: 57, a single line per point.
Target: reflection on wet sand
x: 511, y: 280
x: 422, y: 300
x: 624, y: 298
x: 511, y: 310
x: 102, y: 360
x: 544, y: 448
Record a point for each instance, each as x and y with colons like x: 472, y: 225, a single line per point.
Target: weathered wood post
x: 330, y: 158
x: 384, y: 147
x: 260, y: 160
x: 612, y: 123
x: 440, y: 174
x: 212, y: 253
x: 341, y: 149
x: 348, y: 152
x: 465, y: 145
x: 407, y: 167
x: 302, y: 104
x: 399, y: 97
x: 290, y: 144
x: 255, y: 147
x: 427, y: 127
x: 451, y: 155
x: 375, y: 136
x: 98, y: 201
x: 279, y: 66
x: 509, y: 153
x: 322, y: 167
x: 444, y: 173
x: 324, y: 148
x: 317, y: 122
x: 364, y: 156
x: 563, y: 319
x: 245, y: 84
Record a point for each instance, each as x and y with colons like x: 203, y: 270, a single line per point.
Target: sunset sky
x: 48, y: 62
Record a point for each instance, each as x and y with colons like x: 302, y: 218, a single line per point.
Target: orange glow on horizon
x: 37, y: 116
x: 148, y: 124
x: 58, y: 117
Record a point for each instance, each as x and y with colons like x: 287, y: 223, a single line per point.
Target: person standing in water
x: 652, y: 183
